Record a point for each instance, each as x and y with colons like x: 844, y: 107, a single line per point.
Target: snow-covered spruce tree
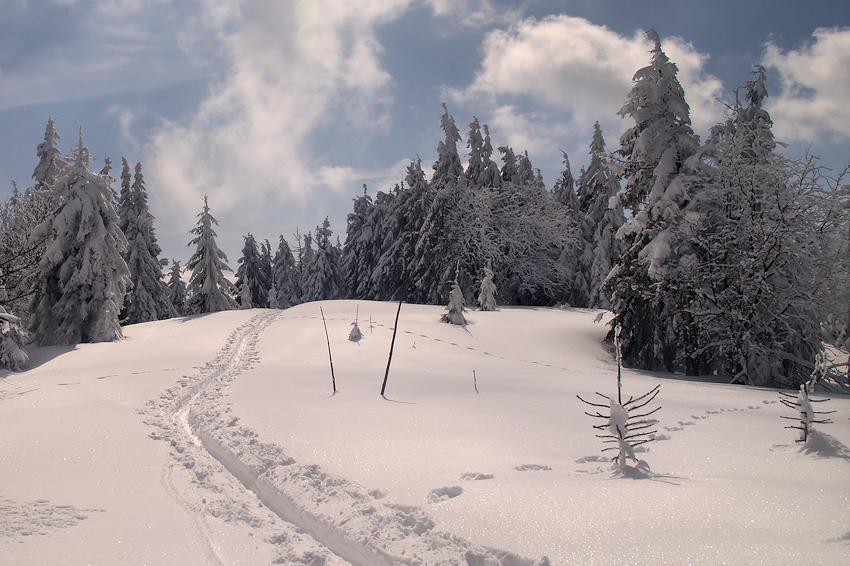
x: 435, y: 253
x: 305, y: 254
x: 208, y: 289
x: 487, y: 295
x: 324, y: 279
x: 252, y: 276
x: 82, y: 276
x: 481, y: 170
x: 643, y: 285
x: 603, y: 217
x: 177, y: 289
x: 285, y: 280
x: 51, y: 163
x: 402, y: 215
x: 455, y: 308
x: 244, y: 299
x: 564, y: 188
x: 148, y: 298
x: 362, y: 246
x: 754, y: 235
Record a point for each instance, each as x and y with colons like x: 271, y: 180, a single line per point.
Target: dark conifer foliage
x: 253, y: 273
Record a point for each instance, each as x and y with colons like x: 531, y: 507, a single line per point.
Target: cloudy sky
x: 280, y: 110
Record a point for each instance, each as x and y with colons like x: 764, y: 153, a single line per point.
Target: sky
x: 281, y: 110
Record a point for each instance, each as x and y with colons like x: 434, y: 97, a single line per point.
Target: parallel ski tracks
x: 206, y: 441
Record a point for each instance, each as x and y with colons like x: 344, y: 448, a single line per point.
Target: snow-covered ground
x: 217, y: 440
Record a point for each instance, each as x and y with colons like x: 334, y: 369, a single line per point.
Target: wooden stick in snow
x: 330, y: 357
x: 392, y: 345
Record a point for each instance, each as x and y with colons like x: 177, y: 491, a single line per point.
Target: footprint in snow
x: 593, y: 458
x: 475, y: 476
x: 533, y: 468
x: 444, y: 493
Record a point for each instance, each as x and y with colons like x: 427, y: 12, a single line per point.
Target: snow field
x: 723, y: 469
x: 216, y: 440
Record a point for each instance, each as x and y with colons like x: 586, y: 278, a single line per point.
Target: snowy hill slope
x: 216, y: 440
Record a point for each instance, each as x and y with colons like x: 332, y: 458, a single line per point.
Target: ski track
x: 304, y: 515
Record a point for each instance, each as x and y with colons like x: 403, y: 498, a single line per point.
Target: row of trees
x: 716, y: 257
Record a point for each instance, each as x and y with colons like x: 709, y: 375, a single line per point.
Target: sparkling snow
x: 217, y: 440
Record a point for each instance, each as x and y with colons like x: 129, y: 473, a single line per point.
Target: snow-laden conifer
x: 402, y: 215
x: 148, y: 298
x: 82, y: 275
x: 208, y: 289
x: 252, y: 277
x: 324, y: 279
x: 435, y: 254
x: 603, y: 216
x: 455, y: 308
x: 177, y: 288
x: 51, y: 163
x: 487, y: 295
x: 643, y: 284
x: 362, y: 246
x: 285, y: 281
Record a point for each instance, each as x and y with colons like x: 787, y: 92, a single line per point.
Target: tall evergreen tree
x: 362, y: 246
x: 177, y: 289
x: 51, y: 163
x: 402, y: 215
x: 285, y: 277
x: 436, y: 255
x: 324, y: 279
x: 603, y: 217
x: 252, y: 276
x: 82, y: 275
x: 208, y: 289
x: 148, y: 298
x: 655, y: 151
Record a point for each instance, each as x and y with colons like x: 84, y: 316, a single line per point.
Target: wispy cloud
x: 63, y: 50
x: 297, y: 68
x: 815, y: 81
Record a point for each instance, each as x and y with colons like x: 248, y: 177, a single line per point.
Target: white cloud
x: 296, y: 67
x: 578, y: 72
x: 815, y: 81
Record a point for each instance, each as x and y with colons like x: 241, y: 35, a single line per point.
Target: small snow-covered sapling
x: 355, y: 335
x: 626, y: 422
x: 487, y: 296
x: 455, y: 308
x: 802, y: 402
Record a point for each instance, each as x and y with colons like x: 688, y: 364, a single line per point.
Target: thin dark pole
x: 392, y: 345
x: 330, y: 357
